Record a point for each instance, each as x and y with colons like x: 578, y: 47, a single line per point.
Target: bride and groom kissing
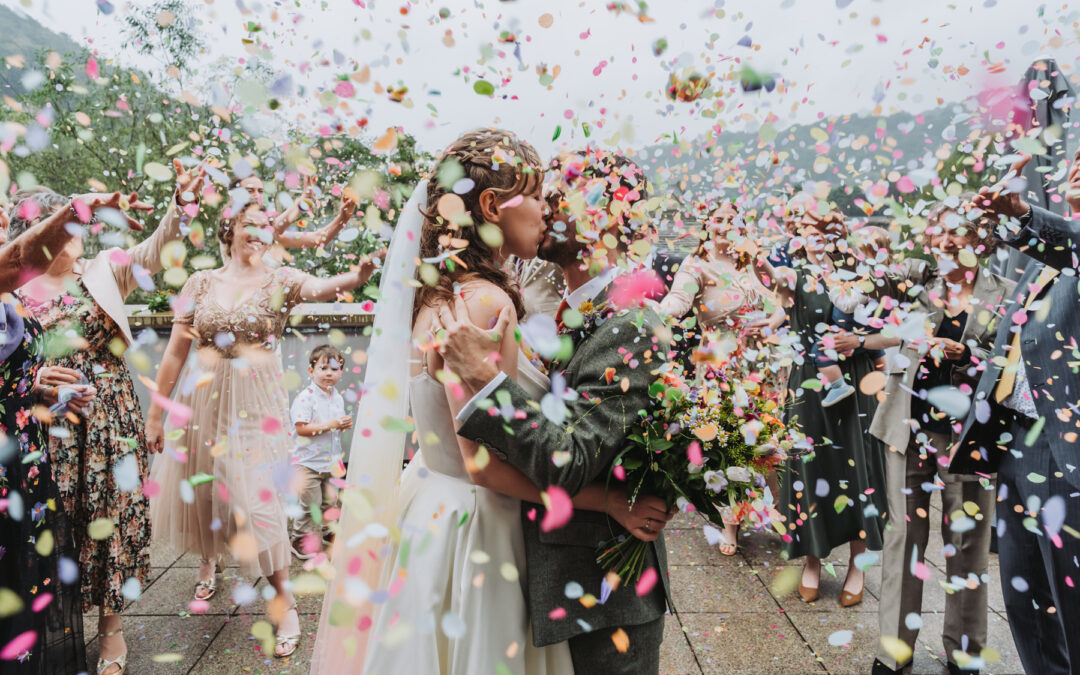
x: 490, y: 563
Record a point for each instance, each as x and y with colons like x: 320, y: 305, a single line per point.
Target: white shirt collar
x: 592, y: 288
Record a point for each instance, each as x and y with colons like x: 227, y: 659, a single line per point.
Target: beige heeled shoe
x: 120, y: 661
x: 289, y: 642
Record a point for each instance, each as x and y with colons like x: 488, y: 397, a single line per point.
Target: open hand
x: 87, y: 204
x: 347, y: 209
x: 998, y: 200
x: 952, y: 349
x: 188, y: 183
x: 466, y: 349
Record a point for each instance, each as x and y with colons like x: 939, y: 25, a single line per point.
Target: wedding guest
x: 234, y: 427
x: 1023, y: 421
x: 284, y: 237
x: 318, y: 413
x: 731, y: 307
x: 46, y: 631
x: 101, y: 462
x: 963, y: 303
x: 836, y: 494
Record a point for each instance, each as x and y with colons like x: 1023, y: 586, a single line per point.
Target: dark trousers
x: 596, y: 652
x: 1040, y: 557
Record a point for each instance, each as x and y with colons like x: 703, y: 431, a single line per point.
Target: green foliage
x: 121, y: 131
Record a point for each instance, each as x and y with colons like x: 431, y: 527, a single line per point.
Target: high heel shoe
x: 851, y: 599
x: 806, y: 593
x: 289, y: 642
x: 120, y: 661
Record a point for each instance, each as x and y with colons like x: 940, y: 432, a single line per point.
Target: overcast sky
x: 831, y: 57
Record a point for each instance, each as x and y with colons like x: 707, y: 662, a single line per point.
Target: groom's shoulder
x: 636, y: 326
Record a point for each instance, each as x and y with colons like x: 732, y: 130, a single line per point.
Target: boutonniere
x: 592, y: 315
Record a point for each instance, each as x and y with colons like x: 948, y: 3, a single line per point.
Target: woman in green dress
x: 835, y: 494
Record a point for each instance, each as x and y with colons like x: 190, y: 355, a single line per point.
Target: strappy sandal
x: 208, y: 586
x: 120, y: 661
x: 290, y: 642
x: 728, y: 547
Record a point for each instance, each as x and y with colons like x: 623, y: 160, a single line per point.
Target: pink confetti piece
x: 41, y: 602
x: 647, y: 581
x: 119, y: 257
x: 151, y: 488
x: 693, y: 454
x: 19, y: 644
x: 198, y: 606
x: 271, y: 425
x: 619, y: 472
x: 179, y: 414
x: 559, y: 509
x: 92, y: 68
x: 516, y: 200
x: 921, y: 571
x: 557, y: 613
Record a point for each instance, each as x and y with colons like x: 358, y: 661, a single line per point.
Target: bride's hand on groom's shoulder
x: 468, y: 350
x: 644, y: 519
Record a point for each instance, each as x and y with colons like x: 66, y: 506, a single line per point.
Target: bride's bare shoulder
x: 484, y: 300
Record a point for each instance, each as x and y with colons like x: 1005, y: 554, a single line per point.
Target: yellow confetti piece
x: 45, y: 543
x: 167, y: 657
x: 175, y: 276
x: 896, y: 648
x: 508, y: 571
x: 478, y: 557
x: 158, y: 172
x: 971, y: 508
x: 10, y: 602
x: 588, y: 601
x: 785, y: 582
x: 263, y: 631
x: 621, y: 640
x: 482, y: 458
x: 100, y: 528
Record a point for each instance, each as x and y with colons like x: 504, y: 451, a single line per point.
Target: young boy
x: 319, y: 416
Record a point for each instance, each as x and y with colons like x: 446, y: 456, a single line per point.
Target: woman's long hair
x: 491, y: 159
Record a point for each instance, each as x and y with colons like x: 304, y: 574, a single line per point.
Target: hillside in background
x: 25, y: 36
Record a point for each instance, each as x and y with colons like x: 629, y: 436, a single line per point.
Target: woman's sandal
x: 728, y: 547
x: 120, y: 661
x: 208, y: 586
x: 290, y: 642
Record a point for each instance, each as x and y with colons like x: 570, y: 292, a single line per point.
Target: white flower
x: 738, y: 474
x: 715, y: 481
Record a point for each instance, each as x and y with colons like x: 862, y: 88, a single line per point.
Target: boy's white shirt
x: 313, y: 404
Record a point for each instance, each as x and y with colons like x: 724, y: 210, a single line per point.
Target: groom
x: 612, y: 627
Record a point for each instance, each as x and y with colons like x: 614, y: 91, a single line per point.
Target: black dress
x: 837, y: 493
x: 43, y: 633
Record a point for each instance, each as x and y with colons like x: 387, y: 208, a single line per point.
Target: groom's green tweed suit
x: 584, y: 446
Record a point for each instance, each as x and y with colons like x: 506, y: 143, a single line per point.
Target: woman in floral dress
x: 102, y: 462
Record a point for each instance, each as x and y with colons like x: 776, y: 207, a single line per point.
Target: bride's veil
x: 369, y: 503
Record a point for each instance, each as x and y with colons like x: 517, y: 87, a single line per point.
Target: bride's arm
x: 484, y: 303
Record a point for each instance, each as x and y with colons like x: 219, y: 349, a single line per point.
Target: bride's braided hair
x: 494, y: 160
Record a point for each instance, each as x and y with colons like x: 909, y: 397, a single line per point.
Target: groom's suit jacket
x: 572, y: 455
x: 1048, y: 348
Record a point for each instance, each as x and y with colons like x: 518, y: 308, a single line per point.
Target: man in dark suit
x: 1025, y: 422
x: 611, y: 628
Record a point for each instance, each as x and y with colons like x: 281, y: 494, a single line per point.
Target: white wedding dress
x: 456, y: 602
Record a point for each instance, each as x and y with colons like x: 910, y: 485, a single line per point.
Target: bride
x: 427, y: 572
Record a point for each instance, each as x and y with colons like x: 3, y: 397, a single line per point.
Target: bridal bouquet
x: 702, y: 446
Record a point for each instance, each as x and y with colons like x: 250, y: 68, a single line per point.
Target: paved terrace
x: 726, y: 619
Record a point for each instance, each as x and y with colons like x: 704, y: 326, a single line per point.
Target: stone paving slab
x: 728, y: 617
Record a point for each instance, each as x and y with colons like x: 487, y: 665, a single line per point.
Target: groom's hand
x: 469, y: 351
x: 644, y: 519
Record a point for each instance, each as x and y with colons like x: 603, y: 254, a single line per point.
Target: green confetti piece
x: 841, y: 503
x: 831, y: 569
x: 812, y: 385
x: 572, y: 318
x: 464, y: 519
x: 558, y: 131
x: 403, y: 554
x: 199, y: 479
x: 1034, y: 431
x: 585, y: 128
x: 1036, y: 477
x: 566, y: 349
x: 502, y: 397
x: 483, y: 87
x: 397, y: 425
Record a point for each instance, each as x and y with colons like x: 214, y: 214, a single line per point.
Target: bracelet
x: 75, y: 214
